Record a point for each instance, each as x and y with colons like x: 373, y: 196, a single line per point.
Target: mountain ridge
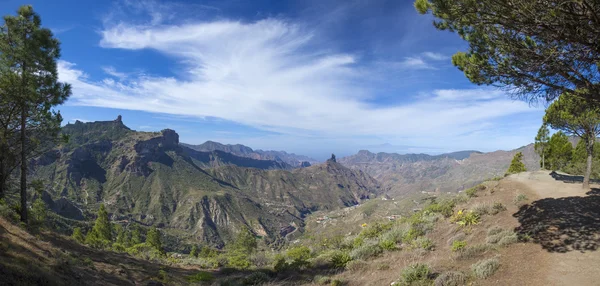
x: 450, y: 172
x: 151, y: 179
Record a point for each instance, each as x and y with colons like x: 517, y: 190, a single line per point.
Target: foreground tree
x: 560, y: 151
x: 541, y: 143
x: 516, y: 165
x: 574, y: 116
x: 534, y: 48
x: 30, y: 89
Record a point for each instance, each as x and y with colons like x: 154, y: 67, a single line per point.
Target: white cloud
x: 413, y: 63
x: 114, y: 73
x: 268, y: 75
x: 435, y: 56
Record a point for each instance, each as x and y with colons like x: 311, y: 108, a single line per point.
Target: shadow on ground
x: 563, y: 224
x: 572, y: 179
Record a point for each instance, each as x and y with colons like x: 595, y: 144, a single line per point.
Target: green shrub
x: 482, y: 209
x: 280, y: 264
x: 383, y: 266
x: 472, y: 192
x: 415, y: 274
x: 395, y: 234
x: 201, y: 276
x: 485, y: 268
x: 465, y: 218
x: 366, y: 251
x: 458, y: 245
x: 8, y: 212
x: 194, y: 251
x: 299, y: 256
x: 118, y: 247
x: 502, y: 237
x: 238, y: 259
x: 336, y: 282
x: 207, y: 252
x: 446, y: 208
x: 451, y: 278
x: 497, y: 208
x: 413, y: 233
x: 424, y: 243
x: 357, y: 242
x: 256, y: 278
x: 339, y: 259
x: 388, y: 245
x: 375, y: 230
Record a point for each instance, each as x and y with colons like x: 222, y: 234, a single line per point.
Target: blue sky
x: 308, y: 76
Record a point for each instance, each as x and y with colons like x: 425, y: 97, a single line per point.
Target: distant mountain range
x: 451, y: 172
x: 152, y: 179
x: 293, y: 160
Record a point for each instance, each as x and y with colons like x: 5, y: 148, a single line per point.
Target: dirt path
x: 565, y: 220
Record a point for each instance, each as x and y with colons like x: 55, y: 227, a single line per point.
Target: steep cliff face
x: 149, y: 178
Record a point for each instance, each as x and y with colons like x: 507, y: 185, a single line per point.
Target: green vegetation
x: 542, y: 140
x: 575, y: 116
x: 201, y: 276
x: 485, y: 268
x: 416, y: 274
x: 29, y: 92
x: 77, y: 235
x: 458, y: 245
x: 465, y: 218
x: 516, y: 165
x: 101, y: 234
x: 194, y: 251
x: 472, y: 192
x: 560, y: 151
x: 507, y: 49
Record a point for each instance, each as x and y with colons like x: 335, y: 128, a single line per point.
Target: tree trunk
x: 543, y: 160
x: 23, y: 167
x: 588, y: 170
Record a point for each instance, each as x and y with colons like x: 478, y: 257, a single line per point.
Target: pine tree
x: 136, y: 236
x: 77, y: 235
x: 153, y: 239
x: 29, y: 86
x: 101, y: 233
x: 536, y: 49
x: 516, y: 165
x: 575, y: 116
x: 560, y: 151
x: 541, y: 143
x: 194, y: 252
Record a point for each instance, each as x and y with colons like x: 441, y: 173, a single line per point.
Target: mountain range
x: 293, y: 160
x: 404, y: 174
x: 151, y: 179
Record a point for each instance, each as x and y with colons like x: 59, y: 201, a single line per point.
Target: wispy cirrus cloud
x: 273, y: 75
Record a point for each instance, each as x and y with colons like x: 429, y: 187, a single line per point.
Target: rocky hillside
x: 151, y: 179
x: 451, y: 172
x: 293, y: 160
